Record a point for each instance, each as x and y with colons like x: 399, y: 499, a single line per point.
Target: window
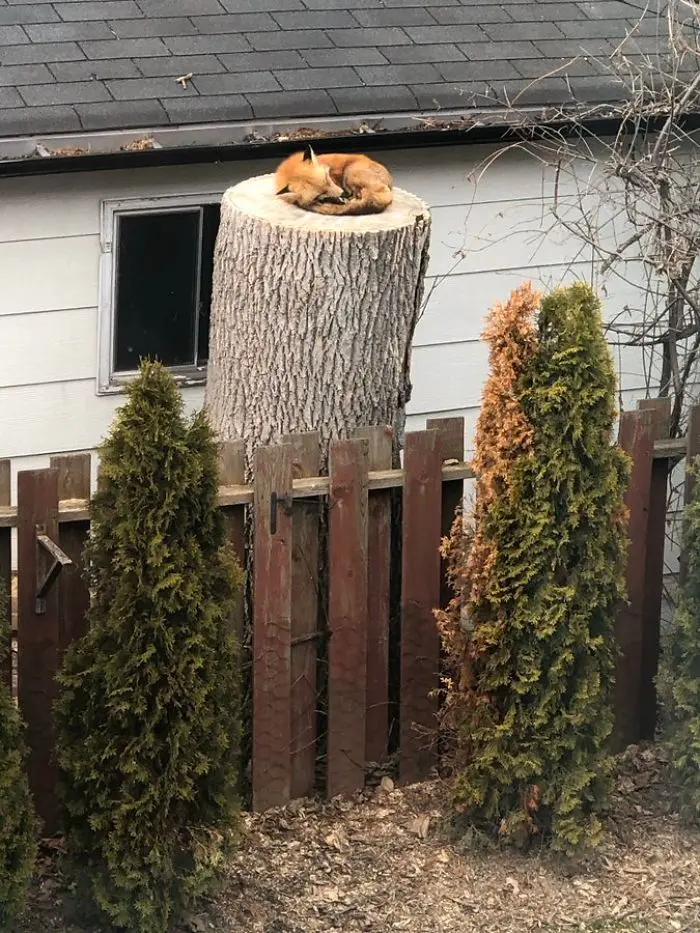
x: 157, y: 263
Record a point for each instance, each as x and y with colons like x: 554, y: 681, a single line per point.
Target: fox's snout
x: 333, y: 192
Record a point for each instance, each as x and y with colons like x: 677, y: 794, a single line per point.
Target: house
x: 123, y: 121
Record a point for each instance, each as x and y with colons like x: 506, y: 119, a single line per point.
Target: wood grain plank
x: 347, y: 616
x: 78, y: 510
x: 380, y: 447
x: 38, y: 638
x: 74, y: 595
x: 654, y: 569
x: 420, y: 643
x: 306, y: 461
x: 451, y: 431
x: 272, y: 610
x: 6, y: 577
x: 692, y: 451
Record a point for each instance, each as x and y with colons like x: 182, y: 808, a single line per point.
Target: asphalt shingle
x: 399, y: 74
x: 12, y: 75
x: 77, y: 92
x: 34, y: 13
x: 121, y: 114
x: 410, y: 16
x: 241, y: 83
x: 289, y: 104
x: 329, y: 58
x: 156, y: 28
x: 73, y: 65
x: 476, y: 13
x: 67, y: 72
x: 67, y: 32
x: 13, y: 35
x: 233, y: 22
x: 298, y: 79
x: 97, y: 10
x: 407, y: 54
x: 218, y: 109
x: 177, y: 65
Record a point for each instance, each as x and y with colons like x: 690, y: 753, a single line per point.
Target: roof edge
x: 235, y: 141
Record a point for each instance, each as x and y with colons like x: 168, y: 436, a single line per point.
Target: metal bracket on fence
x: 46, y: 548
x: 285, y: 502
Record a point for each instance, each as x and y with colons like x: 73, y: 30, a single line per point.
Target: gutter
x: 230, y: 142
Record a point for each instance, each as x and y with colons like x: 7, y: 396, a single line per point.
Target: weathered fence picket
x: 74, y: 595
x: 272, y: 626
x: 420, y: 595
x: 380, y: 442
x: 6, y: 575
x: 636, y: 437
x: 38, y: 633
x: 692, y: 450
x: 347, y: 616
x: 654, y: 569
x: 306, y: 461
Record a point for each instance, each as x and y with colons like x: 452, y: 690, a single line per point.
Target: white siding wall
x: 488, y: 236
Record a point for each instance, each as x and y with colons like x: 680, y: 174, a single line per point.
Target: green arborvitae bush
x: 148, y: 717
x: 18, y: 823
x: 540, y: 575
x: 680, y: 669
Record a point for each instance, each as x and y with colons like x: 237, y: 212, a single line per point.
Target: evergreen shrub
x: 148, y: 717
x: 539, y: 575
x: 680, y: 669
x: 18, y: 822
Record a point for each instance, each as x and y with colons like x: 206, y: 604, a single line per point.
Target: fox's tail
x: 369, y: 202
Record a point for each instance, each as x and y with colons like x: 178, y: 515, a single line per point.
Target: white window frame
x: 109, y: 382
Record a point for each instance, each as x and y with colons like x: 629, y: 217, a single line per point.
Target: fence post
x: 654, y: 569
x: 347, y: 616
x: 380, y: 441
x: 451, y: 431
x: 692, y: 450
x: 74, y: 594
x: 6, y: 575
x: 37, y: 637
x: 636, y: 437
x: 420, y: 576
x: 306, y: 461
x: 272, y: 611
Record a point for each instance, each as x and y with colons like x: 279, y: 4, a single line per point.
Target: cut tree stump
x: 312, y: 317
x: 312, y: 321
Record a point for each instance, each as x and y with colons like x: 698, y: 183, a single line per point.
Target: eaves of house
x: 104, y: 83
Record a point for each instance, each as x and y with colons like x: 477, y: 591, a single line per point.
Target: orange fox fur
x: 334, y: 183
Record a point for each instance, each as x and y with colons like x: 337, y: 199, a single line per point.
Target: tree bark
x: 312, y: 317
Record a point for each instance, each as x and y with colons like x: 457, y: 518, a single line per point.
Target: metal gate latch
x: 53, y: 560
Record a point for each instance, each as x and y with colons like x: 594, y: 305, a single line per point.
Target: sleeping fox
x: 335, y: 183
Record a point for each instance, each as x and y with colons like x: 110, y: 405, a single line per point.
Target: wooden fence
x: 644, y: 434
x: 52, y: 522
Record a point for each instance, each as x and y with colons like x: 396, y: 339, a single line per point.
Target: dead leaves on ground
x: 380, y: 862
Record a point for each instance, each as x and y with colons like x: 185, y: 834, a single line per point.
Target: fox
x: 336, y: 183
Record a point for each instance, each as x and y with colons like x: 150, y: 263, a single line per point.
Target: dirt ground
x: 382, y: 862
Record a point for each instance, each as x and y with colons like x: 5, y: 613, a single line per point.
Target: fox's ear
x: 284, y: 190
x: 309, y: 155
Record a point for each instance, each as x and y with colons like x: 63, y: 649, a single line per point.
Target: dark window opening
x: 164, y: 264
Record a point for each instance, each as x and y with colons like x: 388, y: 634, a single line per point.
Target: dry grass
x: 382, y: 862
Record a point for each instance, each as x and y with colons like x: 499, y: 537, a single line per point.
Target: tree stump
x: 312, y: 317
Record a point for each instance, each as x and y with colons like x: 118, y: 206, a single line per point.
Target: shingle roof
x: 87, y: 65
